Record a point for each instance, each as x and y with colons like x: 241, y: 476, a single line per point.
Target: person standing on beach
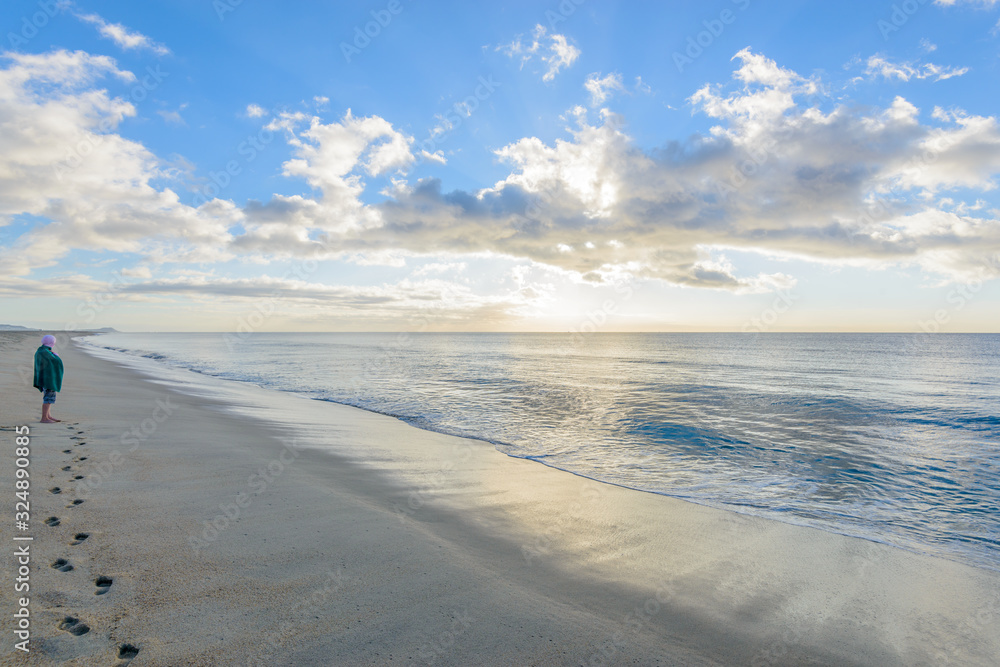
x: 48, y: 376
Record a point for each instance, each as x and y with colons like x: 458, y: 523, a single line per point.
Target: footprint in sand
x: 67, y: 451
x: 75, y: 502
x: 52, y: 521
x: 126, y: 653
x: 103, y: 585
x: 55, y: 489
x: 79, y: 538
x: 82, y: 458
x: 67, y: 468
x: 74, y: 626
x: 78, y: 477
x: 62, y: 565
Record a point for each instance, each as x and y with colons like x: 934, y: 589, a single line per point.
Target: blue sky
x: 729, y: 165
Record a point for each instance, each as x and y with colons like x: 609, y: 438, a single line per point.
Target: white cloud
x: 255, y: 111
x: 332, y: 158
x: 756, y: 68
x: 137, y: 272
x: 964, y: 155
x: 927, y: 45
x: 600, y: 89
x: 327, y: 153
x: 879, y: 66
x: 720, y: 271
x: 429, y: 299
x: 441, y: 267
x: 554, y: 50
x: 122, y: 36
x: 775, y: 174
x: 173, y: 117
x: 980, y: 3
x: 436, y: 156
x: 580, y: 167
x: 768, y: 93
x: 68, y: 165
x: 642, y: 87
x: 561, y: 54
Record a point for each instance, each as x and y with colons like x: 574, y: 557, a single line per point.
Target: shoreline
x: 372, y: 541
x: 157, y: 361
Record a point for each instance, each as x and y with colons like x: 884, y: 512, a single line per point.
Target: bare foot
x: 48, y: 421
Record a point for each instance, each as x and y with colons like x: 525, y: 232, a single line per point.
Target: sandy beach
x: 240, y: 526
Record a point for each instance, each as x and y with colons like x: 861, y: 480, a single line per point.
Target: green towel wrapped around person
x: 48, y: 376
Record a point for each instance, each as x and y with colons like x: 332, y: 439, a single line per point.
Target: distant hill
x: 15, y: 327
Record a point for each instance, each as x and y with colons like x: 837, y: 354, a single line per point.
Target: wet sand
x: 231, y: 525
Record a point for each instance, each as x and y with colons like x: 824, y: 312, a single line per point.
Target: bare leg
x: 46, y: 417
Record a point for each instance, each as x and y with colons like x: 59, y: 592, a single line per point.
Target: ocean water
x: 889, y: 437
